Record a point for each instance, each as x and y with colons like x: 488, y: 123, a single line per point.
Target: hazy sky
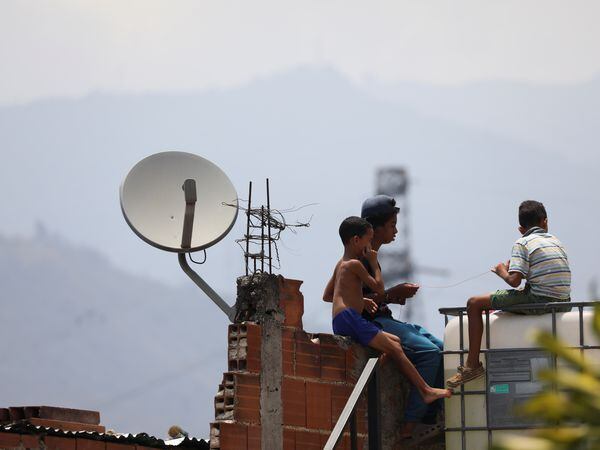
x: 73, y: 47
x: 458, y: 142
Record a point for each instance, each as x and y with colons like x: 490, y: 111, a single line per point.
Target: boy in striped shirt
x: 540, y: 259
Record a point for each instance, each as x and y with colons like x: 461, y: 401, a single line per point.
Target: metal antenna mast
x: 397, y: 263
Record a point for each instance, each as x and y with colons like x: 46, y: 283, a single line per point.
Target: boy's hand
x: 402, y: 291
x: 501, y: 270
x: 370, y: 306
x: 371, y: 256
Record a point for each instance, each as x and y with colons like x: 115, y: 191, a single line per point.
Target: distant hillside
x: 78, y: 332
x: 319, y: 139
x: 562, y: 119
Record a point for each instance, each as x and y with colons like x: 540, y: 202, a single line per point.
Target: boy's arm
x: 372, y: 258
x: 517, y: 268
x: 328, y: 293
x: 512, y: 277
x: 374, y: 282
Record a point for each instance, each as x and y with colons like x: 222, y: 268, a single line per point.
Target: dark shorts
x: 350, y: 323
x: 509, y: 297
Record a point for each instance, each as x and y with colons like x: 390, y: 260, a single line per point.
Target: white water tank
x: 485, y: 410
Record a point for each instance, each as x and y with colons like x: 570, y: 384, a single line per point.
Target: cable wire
x: 456, y: 284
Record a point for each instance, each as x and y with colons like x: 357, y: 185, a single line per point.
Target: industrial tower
x: 397, y: 261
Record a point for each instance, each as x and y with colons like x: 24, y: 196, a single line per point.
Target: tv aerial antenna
x: 182, y: 203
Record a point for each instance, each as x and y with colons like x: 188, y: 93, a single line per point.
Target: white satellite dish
x: 153, y: 201
x: 180, y: 202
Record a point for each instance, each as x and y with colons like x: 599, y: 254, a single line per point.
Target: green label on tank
x: 499, y: 389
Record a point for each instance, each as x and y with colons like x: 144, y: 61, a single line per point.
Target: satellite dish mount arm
x: 189, y: 189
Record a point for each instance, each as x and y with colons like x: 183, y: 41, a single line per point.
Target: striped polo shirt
x: 542, y: 260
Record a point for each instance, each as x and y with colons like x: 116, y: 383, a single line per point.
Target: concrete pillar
x: 258, y: 301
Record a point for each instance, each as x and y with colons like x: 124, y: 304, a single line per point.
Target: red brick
x: 293, y: 397
x: 288, y: 346
x: 339, y: 396
x: 59, y: 443
x: 289, y: 439
x: 293, y: 310
x: 113, y: 446
x: 343, y: 443
x: 16, y: 412
x: 219, y: 401
x: 352, y: 370
x: 243, y: 351
x: 360, y: 440
x: 254, y: 438
x: 251, y: 332
x: 30, y: 441
x: 247, y: 398
x: 69, y: 414
x: 291, y: 301
x: 10, y: 440
x: 361, y: 414
x: 318, y: 405
x: 90, y: 444
x: 31, y: 411
x: 233, y: 436
x: 308, y: 356
x: 306, y: 440
x: 289, y: 288
x: 4, y: 415
x: 214, y: 435
x: 67, y: 426
x: 333, y: 359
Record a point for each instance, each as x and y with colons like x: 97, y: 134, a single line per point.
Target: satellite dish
x: 153, y: 202
x: 176, y: 201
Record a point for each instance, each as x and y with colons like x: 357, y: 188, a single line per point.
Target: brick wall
x: 319, y: 372
x: 16, y: 441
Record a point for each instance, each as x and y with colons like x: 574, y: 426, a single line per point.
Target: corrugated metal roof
x: 24, y: 427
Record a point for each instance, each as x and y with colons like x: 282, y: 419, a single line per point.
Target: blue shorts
x: 350, y: 323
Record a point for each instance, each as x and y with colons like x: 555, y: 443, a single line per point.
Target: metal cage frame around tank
x: 460, y: 312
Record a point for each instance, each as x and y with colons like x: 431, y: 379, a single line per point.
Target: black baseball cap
x: 378, y: 205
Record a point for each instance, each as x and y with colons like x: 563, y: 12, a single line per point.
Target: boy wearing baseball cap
x: 422, y: 348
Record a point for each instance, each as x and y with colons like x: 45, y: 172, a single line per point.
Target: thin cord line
x: 456, y: 284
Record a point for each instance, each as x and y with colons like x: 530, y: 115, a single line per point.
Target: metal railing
x: 369, y: 378
x: 460, y: 312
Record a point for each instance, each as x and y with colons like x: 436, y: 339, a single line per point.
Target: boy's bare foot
x: 433, y: 394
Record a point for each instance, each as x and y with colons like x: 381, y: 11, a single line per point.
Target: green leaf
x: 549, y: 405
x: 525, y: 442
x: 557, y: 347
x: 596, y: 321
x: 565, y: 435
x: 582, y: 383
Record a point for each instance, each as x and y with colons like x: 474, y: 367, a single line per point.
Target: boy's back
x: 542, y: 260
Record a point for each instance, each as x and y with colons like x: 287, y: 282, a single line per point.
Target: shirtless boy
x: 344, y: 290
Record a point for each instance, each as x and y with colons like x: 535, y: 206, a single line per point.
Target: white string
x: 456, y: 284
